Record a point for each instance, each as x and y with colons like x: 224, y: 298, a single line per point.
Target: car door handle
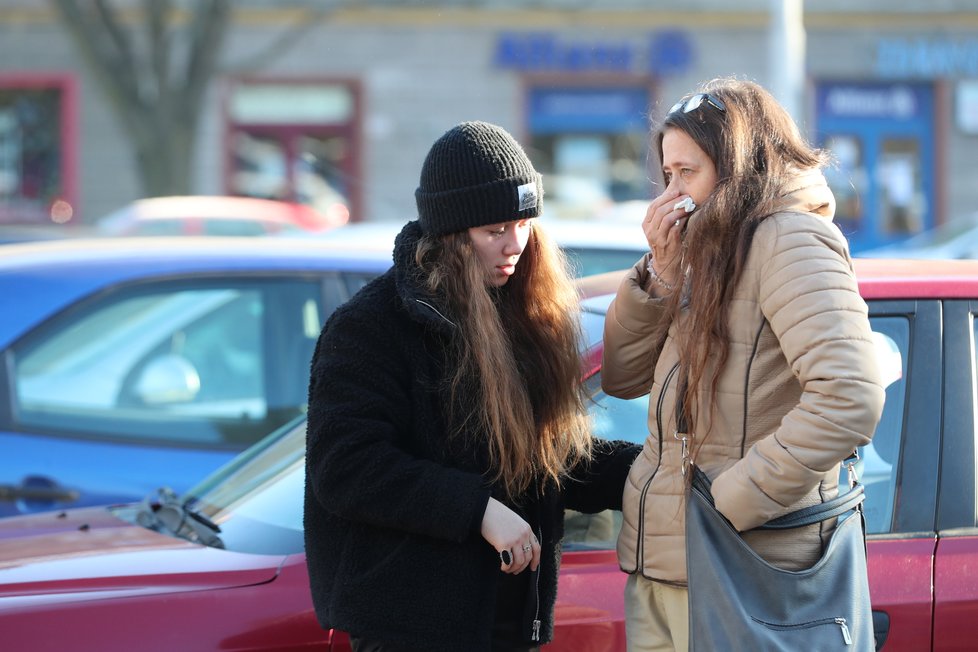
x: 881, y: 627
x: 52, y: 494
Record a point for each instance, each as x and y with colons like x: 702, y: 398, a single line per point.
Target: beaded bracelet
x: 669, y: 287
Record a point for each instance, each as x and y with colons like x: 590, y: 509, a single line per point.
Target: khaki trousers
x: 656, y: 616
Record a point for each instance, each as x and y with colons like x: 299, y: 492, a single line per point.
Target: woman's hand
x: 506, y: 531
x: 663, y: 227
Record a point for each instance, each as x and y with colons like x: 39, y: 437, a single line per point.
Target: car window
x: 628, y: 419
x: 203, y: 364
x: 611, y: 418
x: 156, y: 227
x: 880, y: 459
x: 237, y: 227
x: 585, y: 261
x: 592, y: 323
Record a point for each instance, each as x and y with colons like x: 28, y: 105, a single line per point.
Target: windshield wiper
x: 163, y: 511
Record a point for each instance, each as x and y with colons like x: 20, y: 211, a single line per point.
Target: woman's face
x: 499, y: 247
x: 686, y: 167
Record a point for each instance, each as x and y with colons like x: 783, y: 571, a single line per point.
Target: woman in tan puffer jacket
x: 749, y: 301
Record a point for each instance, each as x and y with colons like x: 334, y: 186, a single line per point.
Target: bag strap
x: 820, y: 512
x: 799, y: 518
x: 838, y: 506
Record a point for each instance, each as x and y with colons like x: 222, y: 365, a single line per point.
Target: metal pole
x: 787, y: 55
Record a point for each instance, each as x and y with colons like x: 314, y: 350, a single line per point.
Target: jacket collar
x: 419, y: 303
x: 807, y: 191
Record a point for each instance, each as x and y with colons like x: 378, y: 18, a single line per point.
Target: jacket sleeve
x: 809, y: 296
x: 628, y: 360
x: 359, y: 402
x: 598, y: 484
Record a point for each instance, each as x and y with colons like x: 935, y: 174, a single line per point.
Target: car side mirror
x: 167, y: 379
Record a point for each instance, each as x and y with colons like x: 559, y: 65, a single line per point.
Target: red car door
x: 900, y: 469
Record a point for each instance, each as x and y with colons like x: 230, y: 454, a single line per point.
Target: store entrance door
x: 881, y: 135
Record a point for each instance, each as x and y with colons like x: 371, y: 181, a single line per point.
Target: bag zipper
x: 841, y: 622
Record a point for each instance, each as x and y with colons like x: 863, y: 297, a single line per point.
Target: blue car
x: 128, y: 364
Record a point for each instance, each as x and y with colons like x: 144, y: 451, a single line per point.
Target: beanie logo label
x: 528, y: 196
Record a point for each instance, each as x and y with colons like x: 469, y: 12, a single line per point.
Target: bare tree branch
x: 305, y: 22
x: 159, y: 44
x: 123, y: 57
x: 208, y: 28
x: 156, y: 69
x: 108, y: 64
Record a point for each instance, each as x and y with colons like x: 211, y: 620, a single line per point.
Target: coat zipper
x: 435, y: 310
x: 535, y: 634
x: 640, y: 548
x: 750, y: 363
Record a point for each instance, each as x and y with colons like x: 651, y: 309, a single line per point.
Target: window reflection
x: 260, y: 167
x: 901, y: 193
x: 847, y: 178
x: 30, y: 152
x: 588, y: 173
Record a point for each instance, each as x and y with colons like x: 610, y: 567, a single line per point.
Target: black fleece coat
x: 393, y: 508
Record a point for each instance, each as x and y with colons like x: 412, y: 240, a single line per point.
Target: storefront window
x: 882, y: 137
x: 591, y: 145
x: 294, y: 142
x: 32, y: 183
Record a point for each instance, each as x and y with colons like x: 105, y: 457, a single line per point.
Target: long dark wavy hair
x: 520, y: 346
x: 756, y: 148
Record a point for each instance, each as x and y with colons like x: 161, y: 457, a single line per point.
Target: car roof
x: 878, y: 279
x: 214, y: 207
x: 43, y: 277
x: 189, y: 252
x: 881, y: 278
x: 626, y: 236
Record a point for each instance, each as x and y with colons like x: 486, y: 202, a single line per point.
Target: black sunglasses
x: 696, y: 101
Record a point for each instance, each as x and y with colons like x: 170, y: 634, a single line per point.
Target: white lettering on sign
x: 928, y: 58
x: 893, y: 102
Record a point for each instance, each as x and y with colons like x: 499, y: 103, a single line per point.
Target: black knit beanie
x: 476, y: 174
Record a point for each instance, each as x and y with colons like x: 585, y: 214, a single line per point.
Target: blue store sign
x: 573, y: 109
x: 662, y: 53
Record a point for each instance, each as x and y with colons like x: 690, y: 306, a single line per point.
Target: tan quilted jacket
x: 799, y: 391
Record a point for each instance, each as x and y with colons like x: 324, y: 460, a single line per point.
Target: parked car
x: 216, y: 215
x: 957, y: 239
x: 152, y: 576
x: 591, y: 246
x: 127, y: 363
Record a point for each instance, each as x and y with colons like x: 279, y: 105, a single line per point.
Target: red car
x: 222, y: 567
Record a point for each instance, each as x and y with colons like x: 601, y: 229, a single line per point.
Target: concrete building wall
x: 419, y: 72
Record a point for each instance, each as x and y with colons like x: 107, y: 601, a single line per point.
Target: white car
x: 591, y: 246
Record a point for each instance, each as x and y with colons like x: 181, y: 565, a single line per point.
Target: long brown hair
x: 519, y: 344
x: 756, y: 148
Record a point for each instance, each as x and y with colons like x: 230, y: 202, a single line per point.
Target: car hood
x: 87, y: 553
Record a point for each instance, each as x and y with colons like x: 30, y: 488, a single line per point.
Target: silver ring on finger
x: 527, y: 548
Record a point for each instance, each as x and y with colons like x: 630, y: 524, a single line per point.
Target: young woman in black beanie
x: 446, y: 424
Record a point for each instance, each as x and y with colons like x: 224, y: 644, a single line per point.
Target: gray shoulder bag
x: 738, y: 601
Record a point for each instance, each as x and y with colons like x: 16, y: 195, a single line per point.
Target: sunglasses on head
x: 694, y: 102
